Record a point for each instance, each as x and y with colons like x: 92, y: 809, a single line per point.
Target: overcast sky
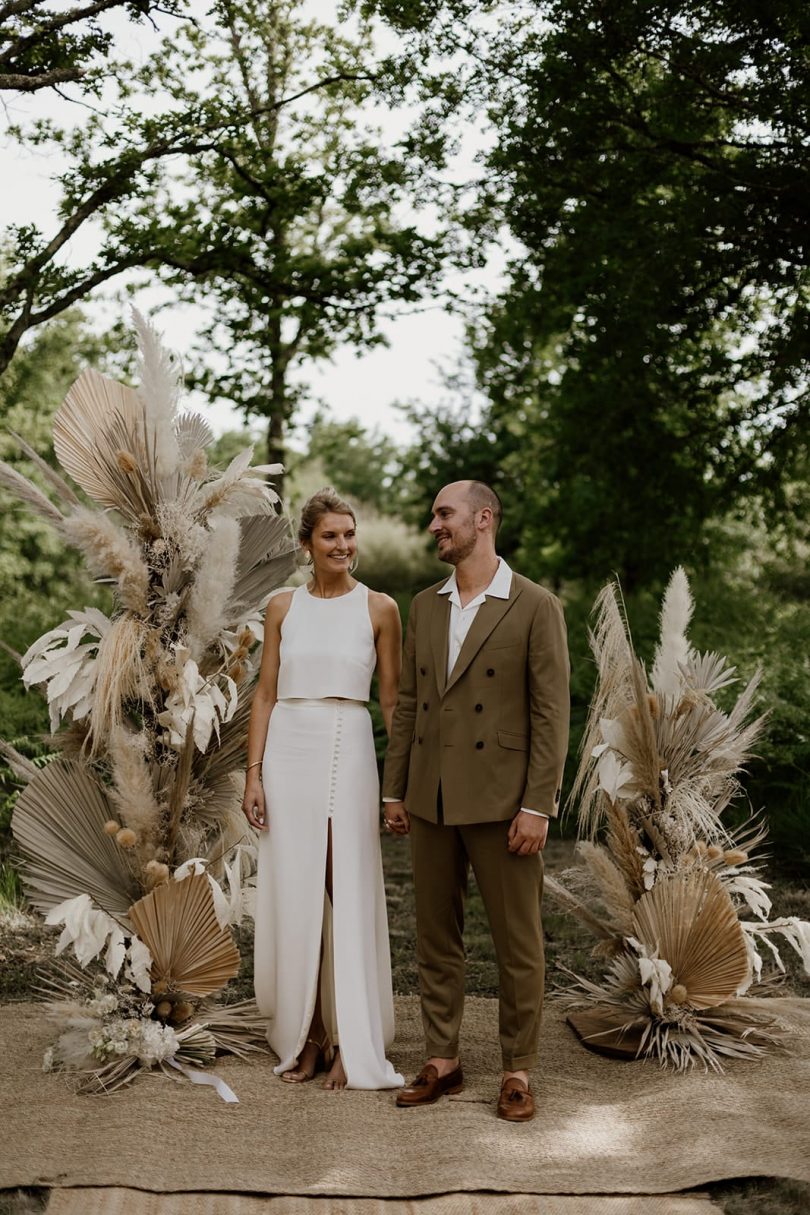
x: 366, y: 386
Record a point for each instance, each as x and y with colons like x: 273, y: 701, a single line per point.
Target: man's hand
x: 527, y: 834
x: 396, y: 818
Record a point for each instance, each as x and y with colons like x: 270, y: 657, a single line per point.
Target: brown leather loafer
x: 515, y: 1103
x: 429, y: 1086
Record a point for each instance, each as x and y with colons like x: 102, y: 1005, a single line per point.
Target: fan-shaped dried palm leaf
x: 84, y: 418
x: 178, y: 924
x: 193, y: 432
x: 58, y: 823
x: 691, y: 921
x: 28, y: 493
x: 266, y: 558
x: 52, y: 476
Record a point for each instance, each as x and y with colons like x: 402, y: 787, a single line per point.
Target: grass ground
x: 26, y: 949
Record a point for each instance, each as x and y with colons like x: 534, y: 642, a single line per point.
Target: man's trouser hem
x: 439, y: 1050
x: 520, y: 1063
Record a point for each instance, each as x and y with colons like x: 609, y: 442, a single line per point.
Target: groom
x: 473, y: 772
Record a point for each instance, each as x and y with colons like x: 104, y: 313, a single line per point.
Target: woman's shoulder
x: 382, y: 606
x: 279, y: 604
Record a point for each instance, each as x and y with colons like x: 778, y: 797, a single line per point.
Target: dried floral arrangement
x: 132, y: 837
x: 671, y: 894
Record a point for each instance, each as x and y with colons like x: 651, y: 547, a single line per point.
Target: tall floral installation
x: 132, y: 837
x: 672, y: 895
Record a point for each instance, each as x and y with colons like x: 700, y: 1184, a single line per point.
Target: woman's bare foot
x: 336, y: 1079
x: 307, y: 1064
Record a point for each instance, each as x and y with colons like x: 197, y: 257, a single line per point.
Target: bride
x: 322, y: 963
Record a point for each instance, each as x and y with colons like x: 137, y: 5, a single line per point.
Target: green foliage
x: 360, y: 464
x: 42, y: 45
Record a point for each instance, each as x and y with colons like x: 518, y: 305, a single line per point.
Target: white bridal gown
x: 319, y: 767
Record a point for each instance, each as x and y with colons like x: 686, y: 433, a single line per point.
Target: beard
x: 460, y: 546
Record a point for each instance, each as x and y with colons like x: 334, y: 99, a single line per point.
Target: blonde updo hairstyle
x: 326, y: 501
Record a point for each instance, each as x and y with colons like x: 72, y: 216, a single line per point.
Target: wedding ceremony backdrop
x: 608, y: 200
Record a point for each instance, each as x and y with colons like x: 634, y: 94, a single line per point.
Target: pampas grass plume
x: 735, y: 856
x: 673, y: 647
x: 214, y: 583
x: 110, y: 551
x: 159, y: 390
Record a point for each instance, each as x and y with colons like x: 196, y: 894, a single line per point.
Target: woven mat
x: 603, y: 1126
x: 136, y: 1202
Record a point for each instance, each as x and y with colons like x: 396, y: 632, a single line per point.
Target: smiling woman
x: 322, y: 963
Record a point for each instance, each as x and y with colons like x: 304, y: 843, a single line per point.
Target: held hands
x: 527, y: 834
x: 253, y: 803
x: 396, y: 818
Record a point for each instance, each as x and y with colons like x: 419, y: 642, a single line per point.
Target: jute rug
x: 603, y: 1126
x: 136, y: 1202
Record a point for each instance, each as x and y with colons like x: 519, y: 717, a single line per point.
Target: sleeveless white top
x: 327, y: 647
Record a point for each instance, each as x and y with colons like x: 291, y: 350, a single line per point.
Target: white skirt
x: 319, y: 767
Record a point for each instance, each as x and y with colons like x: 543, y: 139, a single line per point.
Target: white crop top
x: 327, y: 647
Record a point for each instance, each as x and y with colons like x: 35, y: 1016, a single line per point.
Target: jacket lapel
x: 439, y: 639
x: 490, y: 614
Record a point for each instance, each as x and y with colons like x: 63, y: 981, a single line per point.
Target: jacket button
x: 490, y: 670
x: 479, y: 746
x: 479, y: 708
x: 424, y: 705
x: 423, y: 671
x: 419, y: 741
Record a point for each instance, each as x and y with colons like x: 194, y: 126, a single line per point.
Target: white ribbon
x: 198, y: 1077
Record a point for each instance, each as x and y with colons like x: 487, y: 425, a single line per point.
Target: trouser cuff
x: 440, y: 1050
x: 520, y: 1063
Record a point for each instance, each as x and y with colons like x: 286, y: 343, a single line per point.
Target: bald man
x: 473, y: 774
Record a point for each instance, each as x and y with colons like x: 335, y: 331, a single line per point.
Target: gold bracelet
x: 257, y: 764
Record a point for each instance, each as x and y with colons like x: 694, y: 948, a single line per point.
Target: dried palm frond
x: 81, y: 434
x: 267, y: 551
x: 28, y: 493
x: 192, y: 432
x: 110, y: 552
x: 236, y: 492
x: 691, y: 921
x: 238, y: 1029
x: 673, y: 648
x: 58, y: 823
x: 178, y: 924
x: 122, y: 674
x: 58, y: 483
x: 705, y: 674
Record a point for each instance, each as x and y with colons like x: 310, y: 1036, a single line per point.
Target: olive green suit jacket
x: 495, y: 734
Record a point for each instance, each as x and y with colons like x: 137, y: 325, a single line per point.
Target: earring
x: 353, y: 564
x: 308, y: 558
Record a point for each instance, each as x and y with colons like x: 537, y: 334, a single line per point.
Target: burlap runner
x: 136, y: 1202
x: 603, y: 1126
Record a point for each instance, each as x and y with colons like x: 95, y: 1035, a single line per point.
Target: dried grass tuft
x: 111, y: 552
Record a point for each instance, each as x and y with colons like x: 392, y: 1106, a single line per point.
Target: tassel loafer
x: 429, y: 1086
x: 515, y: 1103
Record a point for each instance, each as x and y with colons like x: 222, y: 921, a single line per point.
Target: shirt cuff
x: 392, y: 799
x: 539, y: 813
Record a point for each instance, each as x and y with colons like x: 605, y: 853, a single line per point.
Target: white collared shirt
x: 461, y: 618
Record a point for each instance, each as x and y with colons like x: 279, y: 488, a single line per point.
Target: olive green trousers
x: 511, y: 888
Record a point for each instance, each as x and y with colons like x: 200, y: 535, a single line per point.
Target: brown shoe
x: 515, y: 1103
x: 429, y: 1086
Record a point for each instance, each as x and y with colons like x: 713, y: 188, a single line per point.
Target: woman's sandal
x: 323, y: 1059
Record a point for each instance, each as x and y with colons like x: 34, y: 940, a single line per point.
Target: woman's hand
x: 253, y: 806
